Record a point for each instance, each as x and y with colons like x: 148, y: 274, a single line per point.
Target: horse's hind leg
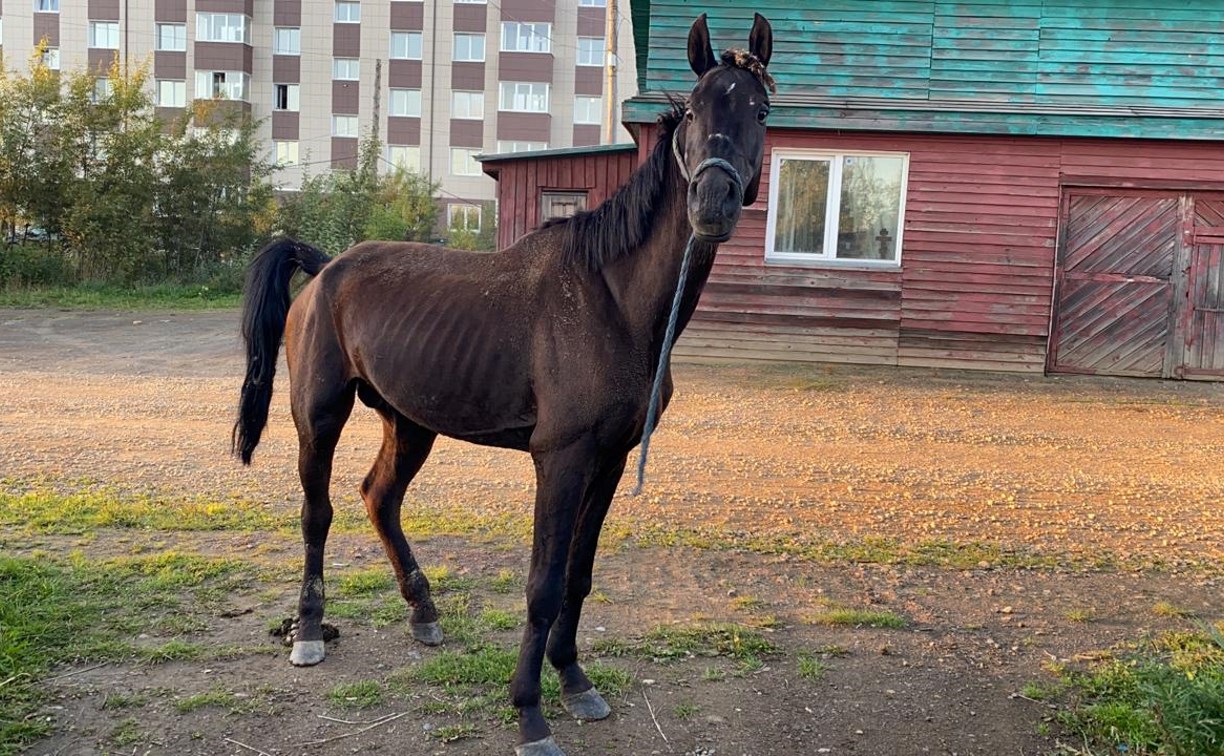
x: 405, y: 447
x: 578, y: 695
x: 320, y: 411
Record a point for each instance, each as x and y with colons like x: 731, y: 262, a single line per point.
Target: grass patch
x: 78, y: 610
x: 453, y: 733
x: 1170, y: 611
x: 123, y: 701
x: 500, y: 620
x: 505, y: 581
x: 685, y: 710
x: 127, y: 733
x: 1162, y: 696
x: 359, y: 695
x: 109, y: 297
x: 847, y: 617
x: 1079, y: 615
x: 701, y: 640
x: 811, y: 667
x: 215, y: 698
x: 443, y: 580
x: 364, y: 583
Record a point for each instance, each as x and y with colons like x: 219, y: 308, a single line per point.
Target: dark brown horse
x: 549, y: 347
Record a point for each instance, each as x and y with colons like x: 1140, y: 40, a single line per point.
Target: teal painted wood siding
x: 1086, y: 67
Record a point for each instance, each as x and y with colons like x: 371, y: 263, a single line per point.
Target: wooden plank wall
x: 522, y: 179
x: 976, y: 282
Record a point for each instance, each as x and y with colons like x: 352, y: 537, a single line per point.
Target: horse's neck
x: 644, y: 281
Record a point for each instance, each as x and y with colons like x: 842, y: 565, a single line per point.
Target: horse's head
x: 721, y: 142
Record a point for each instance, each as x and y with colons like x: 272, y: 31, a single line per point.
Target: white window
x: 103, y: 88
x: 504, y: 147
x: 104, y: 35
x: 829, y: 206
x: 524, y: 96
x: 172, y: 37
x: 287, y: 40
x: 172, y: 94
x: 463, y: 161
x: 223, y: 27
x: 406, y: 45
x: 463, y: 217
x: 224, y: 85
x: 520, y: 37
x: 406, y: 102
x: 346, y: 69
x: 344, y: 125
x: 286, y: 153
x: 561, y: 204
x: 471, y: 2
x: 592, y: 3
x: 51, y: 58
x: 469, y: 48
x: 348, y: 12
x: 287, y: 97
x: 46, y: 6
x: 404, y: 156
x: 590, y: 51
x: 588, y: 110
x: 467, y: 104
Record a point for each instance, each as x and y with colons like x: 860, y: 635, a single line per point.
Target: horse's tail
x: 265, y: 309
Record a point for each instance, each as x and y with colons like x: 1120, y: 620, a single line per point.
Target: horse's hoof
x: 545, y: 747
x: 587, y: 705
x: 307, y: 653
x: 429, y: 633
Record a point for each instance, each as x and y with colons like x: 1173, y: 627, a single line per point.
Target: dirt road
x: 1055, y: 471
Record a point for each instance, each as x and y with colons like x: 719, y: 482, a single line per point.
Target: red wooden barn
x: 1005, y: 186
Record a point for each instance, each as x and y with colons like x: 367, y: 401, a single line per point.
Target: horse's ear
x: 760, y: 39
x: 700, y: 52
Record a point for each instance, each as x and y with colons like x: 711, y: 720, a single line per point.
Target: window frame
x: 598, y: 115
x: 546, y: 36
x: 297, y: 154
x: 408, y: 148
x: 404, y: 92
x: 336, y: 61
x: 601, y: 52
x: 242, y: 81
x: 510, y: 146
x: 467, y: 211
x: 409, y: 33
x: 471, y: 96
x: 295, y: 33
x: 182, y: 89
x: 501, y: 100
x: 244, y: 27
x: 348, y: 4
x: 180, y: 38
x: 92, y: 42
x: 470, y: 35
x: 832, y: 209
x: 290, y: 98
x: 592, y: 3
x: 356, y: 128
x: 549, y: 194
x: 472, y: 153
x: 38, y: 3
x: 51, y: 58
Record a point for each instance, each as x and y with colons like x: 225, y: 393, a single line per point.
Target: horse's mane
x: 594, y: 238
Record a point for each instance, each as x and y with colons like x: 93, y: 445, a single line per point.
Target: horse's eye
x: 688, y: 114
x: 762, y: 114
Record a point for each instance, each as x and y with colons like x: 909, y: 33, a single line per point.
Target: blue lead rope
x: 652, y: 409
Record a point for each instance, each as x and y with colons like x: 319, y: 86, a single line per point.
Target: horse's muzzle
x: 715, y: 199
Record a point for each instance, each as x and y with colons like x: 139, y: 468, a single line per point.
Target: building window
x: 591, y: 51
x: 172, y: 37
x: 346, y: 69
x: 104, y: 35
x: 223, y: 27
x: 344, y: 125
x: 406, y: 45
x: 51, y: 58
x: 287, y: 40
x: 46, y: 6
x: 103, y: 88
x: 520, y: 37
x: 404, y: 156
x: 592, y: 3
x: 348, y: 12
x: 561, y: 204
x: 588, y: 110
x: 471, y: 2
x: 288, y: 97
x: 467, y: 104
x: 463, y: 161
x: 524, y: 96
x: 507, y: 147
x: 286, y: 153
x: 469, y: 48
x: 830, y: 206
x: 463, y: 217
x: 172, y: 94
x: 406, y: 103
x: 223, y: 85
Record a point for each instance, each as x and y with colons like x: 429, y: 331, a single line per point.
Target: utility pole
x: 377, y: 97
x: 609, y: 135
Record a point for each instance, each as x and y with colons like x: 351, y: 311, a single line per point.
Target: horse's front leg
x: 578, y: 695
x: 562, y: 478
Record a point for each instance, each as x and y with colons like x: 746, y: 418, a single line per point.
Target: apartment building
x: 450, y: 79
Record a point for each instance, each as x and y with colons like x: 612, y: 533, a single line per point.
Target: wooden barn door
x: 1202, y: 322
x: 1114, y: 279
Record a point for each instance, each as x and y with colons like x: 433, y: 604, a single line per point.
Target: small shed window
x: 836, y: 207
x: 561, y: 204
